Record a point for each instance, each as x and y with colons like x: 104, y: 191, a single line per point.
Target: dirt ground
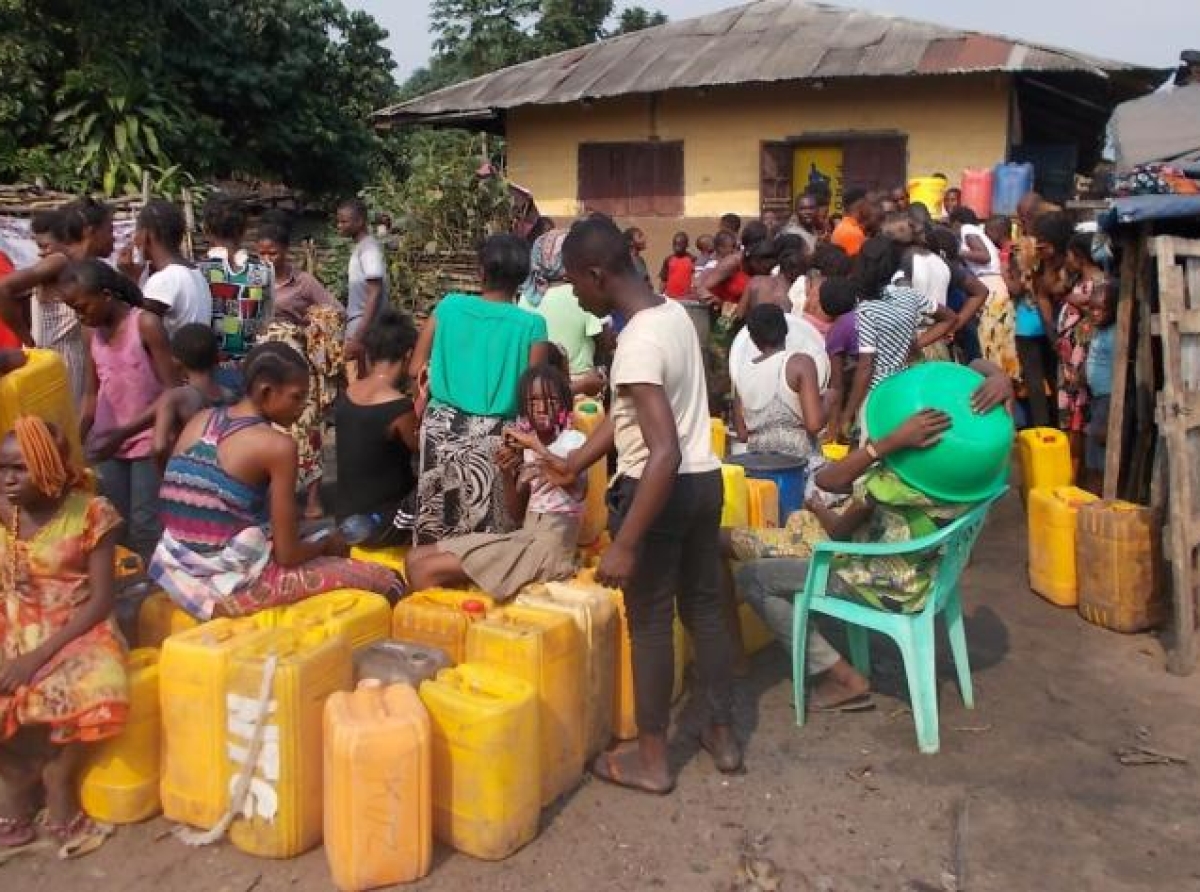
x: 1027, y: 793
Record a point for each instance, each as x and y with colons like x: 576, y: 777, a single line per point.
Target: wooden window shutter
x: 875, y: 162
x: 632, y: 179
x: 775, y: 178
x: 668, y: 180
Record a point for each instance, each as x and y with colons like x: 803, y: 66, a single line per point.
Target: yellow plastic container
x: 378, y: 787
x: 589, y: 414
x: 159, y: 618
x: 437, y: 617
x: 281, y: 816
x: 1045, y: 457
x: 755, y: 634
x: 363, y: 618
x: 762, y: 500
x: 720, y: 437
x: 592, y: 610
x: 931, y: 192
x: 120, y: 777
x: 392, y: 558
x: 40, y: 388
x: 835, y: 451
x: 735, y: 512
x: 544, y: 649
x: 193, y: 672
x: 486, y: 760
x: 624, y: 703
x: 1119, y: 554
x: 1052, y: 519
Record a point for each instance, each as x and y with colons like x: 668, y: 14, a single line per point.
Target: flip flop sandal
x: 608, y: 769
x: 863, y: 703
x: 16, y: 833
x: 78, y: 837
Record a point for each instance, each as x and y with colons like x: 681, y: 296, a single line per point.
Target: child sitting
x: 62, y: 673
x: 231, y: 544
x: 544, y: 548
x: 197, y: 351
x: 377, y: 439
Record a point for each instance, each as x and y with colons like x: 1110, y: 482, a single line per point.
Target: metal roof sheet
x: 761, y: 42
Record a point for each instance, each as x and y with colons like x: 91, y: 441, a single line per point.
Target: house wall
x: 951, y: 122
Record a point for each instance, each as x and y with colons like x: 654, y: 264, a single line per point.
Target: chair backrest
x: 955, y: 543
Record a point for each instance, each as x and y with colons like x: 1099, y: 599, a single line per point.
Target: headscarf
x: 545, y: 266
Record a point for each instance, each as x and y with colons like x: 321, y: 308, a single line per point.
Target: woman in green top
x: 474, y: 351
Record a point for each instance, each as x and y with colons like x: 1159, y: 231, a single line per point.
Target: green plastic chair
x: 913, y: 633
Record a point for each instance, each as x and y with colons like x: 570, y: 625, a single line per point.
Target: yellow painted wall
x: 951, y: 123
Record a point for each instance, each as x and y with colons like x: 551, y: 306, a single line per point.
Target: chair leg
x: 860, y: 649
x: 800, y: 657
x: 920, y: 666
x: 956, y: 632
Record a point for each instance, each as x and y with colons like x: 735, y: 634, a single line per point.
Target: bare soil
x: 1027, y: 794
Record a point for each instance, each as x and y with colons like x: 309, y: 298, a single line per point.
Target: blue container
x: 1010, y: 182
x: 788, y: 473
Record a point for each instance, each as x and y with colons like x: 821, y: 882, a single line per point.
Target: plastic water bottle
x: 358, y: 528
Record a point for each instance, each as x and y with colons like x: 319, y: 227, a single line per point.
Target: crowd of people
x: 205, y: 392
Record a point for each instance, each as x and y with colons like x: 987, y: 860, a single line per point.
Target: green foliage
x: 637, y: 18
x: 442, y: 210
x: 570, y: 23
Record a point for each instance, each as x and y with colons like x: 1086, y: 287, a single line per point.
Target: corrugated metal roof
x: 767, y: 41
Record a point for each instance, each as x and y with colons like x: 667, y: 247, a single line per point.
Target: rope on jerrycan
x: 241, y: 789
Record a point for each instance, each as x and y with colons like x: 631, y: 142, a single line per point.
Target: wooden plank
x: 1187, y: 321
x: 1138, y: 470
x: 1174, y: 246
x: 1114, y: 451
x: 1181, y: 658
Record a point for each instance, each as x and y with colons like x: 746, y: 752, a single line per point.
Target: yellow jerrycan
x: 440, y: 618
x: 594, y: 614
x: 1118, y: 553
x: 486, y: 760
x: 735, y: 510
x: 392, y: 557
x: 589, y: 414
x: 120, y: 777
x: 40, y: 387
x: 362, y: 618
x: 1052, y: 519
x: 762, y: 498
x: 159, y: 618
x: 624, y: 706
x: 378, y: 793
x: 1044, y: 454
x: 546, y: 650
x: 193, y: 672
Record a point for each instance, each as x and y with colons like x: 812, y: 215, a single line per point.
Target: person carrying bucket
x: 900, y: 487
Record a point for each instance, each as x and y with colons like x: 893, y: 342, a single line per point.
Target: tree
x: 636, y: 18
x: 483, y: 35
x: 565, y: 24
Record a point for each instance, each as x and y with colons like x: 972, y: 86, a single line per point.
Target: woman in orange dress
x: 62, y: 664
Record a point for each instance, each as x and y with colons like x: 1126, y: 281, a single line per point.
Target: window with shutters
x: 865, y: 161
x: 632, y: 179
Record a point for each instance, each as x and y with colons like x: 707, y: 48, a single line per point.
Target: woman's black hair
x: 876, y: 264
x: 95, y: 276
x: 838, y: 296
x: 163, y: 221
x: 830, y: 260
x: 195, y: 346
x: 767, y: 325
x: 791, y: 264
x: 964, y: 215
x: 73, y: 220
x: 1055, y: 229
x: 504, y: 263
x: 554, y: 380
x: 790, y: 241
x: 224, y: 218
x: 754, y: 233
x: 390, y: 337
x: 276, y: 226
x: 273, y: 363
x: 43, y: 222
x: 1081, y: 244
x: 945, y: 243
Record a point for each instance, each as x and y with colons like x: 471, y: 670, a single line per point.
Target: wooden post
x: 1115, y: 448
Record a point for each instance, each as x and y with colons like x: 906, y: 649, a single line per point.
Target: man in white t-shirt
x: 173, y: 289
x: 367, y: 292
x: 665, y: 504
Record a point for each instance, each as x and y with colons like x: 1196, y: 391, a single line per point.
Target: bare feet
x: 840, y: 688
x: 313, y: 509
x: 723, y: 746
x: 638, y: 766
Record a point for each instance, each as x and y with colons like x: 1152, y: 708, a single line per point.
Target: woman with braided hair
x: 62, y: 671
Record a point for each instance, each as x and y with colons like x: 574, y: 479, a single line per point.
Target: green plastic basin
x: 972, y: 460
